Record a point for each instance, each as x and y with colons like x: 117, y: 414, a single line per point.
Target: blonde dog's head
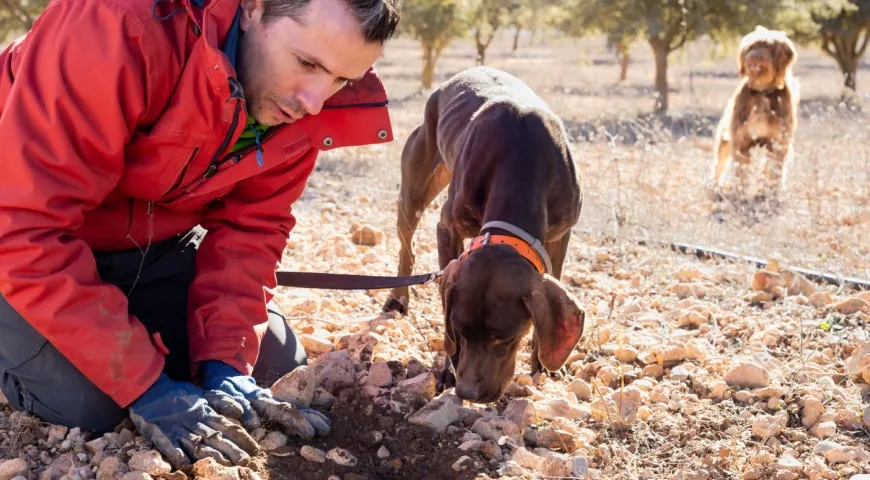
x: 765, y: 58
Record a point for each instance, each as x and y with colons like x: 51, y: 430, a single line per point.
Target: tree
x: 487, y: 17
x: 668, y: 24
x: 842, y: 29
x: 435, y: 23
x: 17, y: 16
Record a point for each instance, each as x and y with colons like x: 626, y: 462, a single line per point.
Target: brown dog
x: 762, y: 110
x: 506, y: 160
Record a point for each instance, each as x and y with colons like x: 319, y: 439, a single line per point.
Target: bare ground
x: 663, y: 328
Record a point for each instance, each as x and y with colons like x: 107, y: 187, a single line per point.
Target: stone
x: 556, y: 465
x: 764, y: 426
x: 521, y: 412
x: 691, y: 319
x: 136, y: 476
x: 17, y: 467
x: 315, y: 345
x: 334, y: 371
x: 273, y: 441
x: 488, y: 448
x: 464, y: 463
x: 111, y: 469
x: 747, y: 375
x: 497, y: 427
x: 342, y: 457
x: 580, y: 467
x: 422, y: 385
x: 527, y: 459
x: 56, y: 435
x: 380, y: 375
x: 867, y: 416
x: 150, y: 462
x: 97, y: 445
x: 557, y: 440
x: 553, y: 408
x: 322, y: 398
x: 210, y: 469
x: 296, y: 387
x: 841, y: 455
x: 812, y: 410
x: 366, y: 235
x: 821, y: 299
x: 743, y: 396
x: 312, y: 454
x: 439, y: 413
x: 626, y: 354
x: 788, y: 462
x: 581, y: 390
x: 383, y: 452
x: 824, y: 430
x: 679, y: 374
x: 525, y: 380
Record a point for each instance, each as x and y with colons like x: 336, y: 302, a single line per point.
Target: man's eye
x: 305, y: 63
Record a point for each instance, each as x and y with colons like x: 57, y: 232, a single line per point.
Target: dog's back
x: 479, y: 99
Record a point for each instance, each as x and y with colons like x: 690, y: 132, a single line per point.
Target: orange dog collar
x: 522, y: 247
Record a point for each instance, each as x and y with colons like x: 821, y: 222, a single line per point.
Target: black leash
x: 338, y: 281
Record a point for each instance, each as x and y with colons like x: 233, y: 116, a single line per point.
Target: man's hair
x: 378, y: 18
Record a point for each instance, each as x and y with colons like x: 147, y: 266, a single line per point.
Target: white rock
x: 296, y: 387
x: 487, y: 447
x: 383, y: 452
x: 556, y: 465
x: 423, y: 385
x: 14, y: 468
x: 841, y: 455
x: 56, y: 434
x: 312, y: 454
x: 788, y: 462
x: 209, y: 469
x: 765, y: 426
x: 97, y: 445
x: 553, y: 408
x: 581, y: 389
x: 824, y: 430
x: 743, y: 396
x: 273, y: 441
x: 334, y: 371
x: 812, y: 410
x: 438, y: 413
x: 527, y: 459
x: 867, y: 416
x: 380, y: 375
x: 825, y: 446
x: 626, y: 354
x: 136, y: 476
x: 580, y: 467
x: 342, y: 457
x: 462, y: 464
x: 748, y: 375
x: 521, y: 411
x: 497, y: 427
x: 315, y: 345
x: 111, y: 469
x: 150, y: 462
x: 679, y: 374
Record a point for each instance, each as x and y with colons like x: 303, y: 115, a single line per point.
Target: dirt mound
x: 357, y: 426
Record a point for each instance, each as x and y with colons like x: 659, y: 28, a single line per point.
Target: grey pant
x: 37, y: 379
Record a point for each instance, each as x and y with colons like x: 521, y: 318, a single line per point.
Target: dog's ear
x: 445, y: 287
x: 784, y: 55
x: 558, y: 322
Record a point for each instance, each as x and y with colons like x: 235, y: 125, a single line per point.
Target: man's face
x: 288, y: 69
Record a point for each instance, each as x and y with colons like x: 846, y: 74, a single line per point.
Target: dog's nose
x: 467, y: 391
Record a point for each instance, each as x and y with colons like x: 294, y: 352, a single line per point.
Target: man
x: 125, y: 125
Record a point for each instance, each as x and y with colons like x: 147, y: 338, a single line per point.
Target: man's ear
x: 252, y: 13
x: 558, y: 322
x: 445, y: 287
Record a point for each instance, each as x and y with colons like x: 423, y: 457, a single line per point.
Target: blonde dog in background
x: 762, y: 111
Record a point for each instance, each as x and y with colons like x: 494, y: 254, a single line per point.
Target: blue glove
x: 237, y: 396
x: 177, y: 419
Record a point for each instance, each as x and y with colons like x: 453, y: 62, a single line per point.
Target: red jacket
x: 114, y: 129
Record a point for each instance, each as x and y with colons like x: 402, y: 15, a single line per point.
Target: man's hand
x: 177, y: 419
x: 238, y: 396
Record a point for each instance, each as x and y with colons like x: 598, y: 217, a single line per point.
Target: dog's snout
x: 467, y: 391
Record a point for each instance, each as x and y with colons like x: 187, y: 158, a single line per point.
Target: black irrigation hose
x: 708, y: 253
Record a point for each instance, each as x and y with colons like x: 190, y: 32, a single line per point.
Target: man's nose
x: 313, y: 97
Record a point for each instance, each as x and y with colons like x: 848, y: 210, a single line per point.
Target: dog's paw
x: 396, y: 305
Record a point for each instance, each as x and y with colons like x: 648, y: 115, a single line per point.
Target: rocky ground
x: 687, y: 369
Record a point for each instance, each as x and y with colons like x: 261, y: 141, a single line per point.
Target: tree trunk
x: 516, y: 38
x: 480, y: 45
x: 850, y: 74
x: 532, y: 36
x: 622, y: 50
x: 429, y: 59
x: 660, y: 50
